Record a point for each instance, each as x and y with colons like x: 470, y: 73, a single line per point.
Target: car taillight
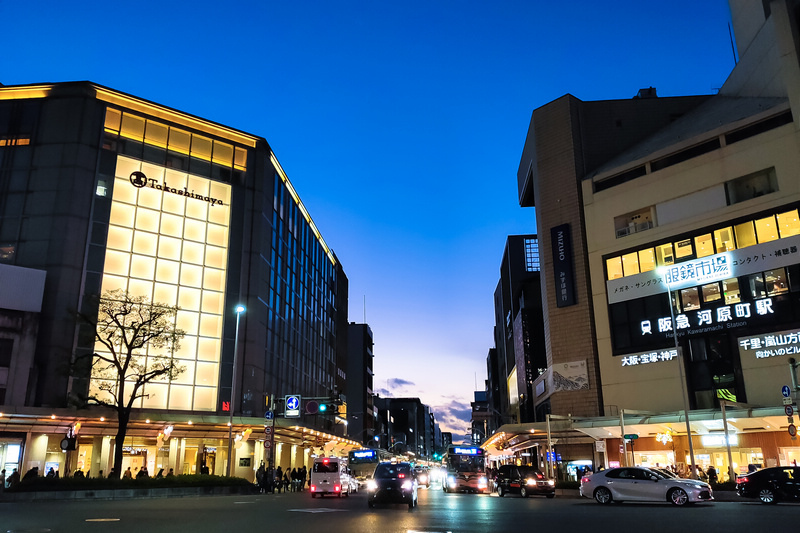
x: 337, y: 488
x: 742, y: 479
x: 585, y: 479
x: 313, y: 488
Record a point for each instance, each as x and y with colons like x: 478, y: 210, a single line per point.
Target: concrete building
x: 520, y: 356
x: 671, y: 229
x: 359, y: 388
x: 101, y: 190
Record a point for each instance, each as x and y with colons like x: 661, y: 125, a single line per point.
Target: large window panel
x: 704, y: 245
x: 614, y: 267
x: 723, y: 240
x: 630, y: 264
x: 120, y: 238
x: 204, y: 398
x: 788, y: 224
x: 745, y: 235
x: 766, y: 229
x: 665, y: 254
x: 647, y: 260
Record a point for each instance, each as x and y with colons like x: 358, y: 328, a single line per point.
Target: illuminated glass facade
x: 168, y: 241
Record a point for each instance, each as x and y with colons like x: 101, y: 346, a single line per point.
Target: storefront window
x: 788, y: 224
x: 730, y: 288
x: 766, y: 229
x: 723, y: 240
x: 776, y: 282
x: 664, y: 254
x: 711, y: 292
x: 614, y: 267
x: 756, y: 284
x: 647, y: 260
x: 630, y: 264
x: 745, y: 235
x: 704, y: 245
x: 690, y: 299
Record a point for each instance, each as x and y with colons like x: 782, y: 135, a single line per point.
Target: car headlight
x: 406, y: 485
x: 371, y: 485
x: 699, y: 486
x: 423, y: 478
x: 451, y: 480
x: 482, y: 482
x: 551, y: 482
x: 530, y: 481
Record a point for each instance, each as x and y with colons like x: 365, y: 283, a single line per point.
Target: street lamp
x: 664, y: 271
x: 239, y: 310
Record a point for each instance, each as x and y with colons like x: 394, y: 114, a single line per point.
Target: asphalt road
x: 437, y: 512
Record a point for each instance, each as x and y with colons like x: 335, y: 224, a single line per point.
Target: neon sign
x: 466, y: 451
x: 368, y: 454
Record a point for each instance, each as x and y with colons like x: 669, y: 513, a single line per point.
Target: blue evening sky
x: 400, y: 124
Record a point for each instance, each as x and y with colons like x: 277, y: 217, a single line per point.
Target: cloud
x: 454, y: 416
x: 397, y: 383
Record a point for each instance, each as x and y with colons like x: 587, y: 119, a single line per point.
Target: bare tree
x: 135, y: 343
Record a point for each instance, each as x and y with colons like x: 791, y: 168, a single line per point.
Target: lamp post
x: 239, y: 310
x: 684, y: 386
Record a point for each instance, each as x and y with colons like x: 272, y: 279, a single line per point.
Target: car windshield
x: 391, y: 471
x: 658, y: 473
x: 530, y: 472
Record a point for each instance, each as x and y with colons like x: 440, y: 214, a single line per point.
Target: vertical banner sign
x: 563, y: 274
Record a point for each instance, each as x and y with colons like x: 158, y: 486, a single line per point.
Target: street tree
x: 135, y: 341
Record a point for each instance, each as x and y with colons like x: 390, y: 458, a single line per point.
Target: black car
x: 771, y: 485
x: 523, y: 480
x: 392, y: 483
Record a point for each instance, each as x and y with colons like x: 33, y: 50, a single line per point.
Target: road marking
x: 102, y: 520
x: 416, y: 531
x: 316, y: 510
x: 243, y: 502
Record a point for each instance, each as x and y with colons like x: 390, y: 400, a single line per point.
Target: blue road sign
x: 786, y: 391
x: 269, y: 415
x: 292, y: 402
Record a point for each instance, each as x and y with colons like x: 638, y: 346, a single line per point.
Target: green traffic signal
x: 323, y: 407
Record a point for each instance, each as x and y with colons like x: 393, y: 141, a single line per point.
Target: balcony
x: 634, y: 228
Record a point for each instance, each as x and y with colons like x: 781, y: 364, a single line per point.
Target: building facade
x: 681, y: 224
x: 361, y: 425
x: 101, y: 190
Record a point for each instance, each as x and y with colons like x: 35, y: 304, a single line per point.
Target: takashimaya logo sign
x: 139, y: 180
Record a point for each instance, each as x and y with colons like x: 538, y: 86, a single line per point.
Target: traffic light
x: 329, y: 408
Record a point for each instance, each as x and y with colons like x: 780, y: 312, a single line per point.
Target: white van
x: 329, y: 475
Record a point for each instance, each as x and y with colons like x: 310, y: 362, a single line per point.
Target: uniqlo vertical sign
x: 563, y: 273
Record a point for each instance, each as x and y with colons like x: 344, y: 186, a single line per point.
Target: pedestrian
x: 303, y: 476
x: 51, y: 473
x: 286, y: 482
x: 260, y: 475
x: 160, y: 473
x: 13, y: 479
x: 2, y: 480
x: 293, y: 476
x: 128, y: 474
x: 278, y: 478
x: 78, y: 473
x: 100, y: 475
x: 33, y: 473
x: 712, y: 474
x: 170, y: 473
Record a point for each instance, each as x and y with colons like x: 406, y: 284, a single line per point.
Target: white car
x: 640, y: 484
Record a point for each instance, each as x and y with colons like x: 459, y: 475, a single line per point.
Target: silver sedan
x: 637, y: 483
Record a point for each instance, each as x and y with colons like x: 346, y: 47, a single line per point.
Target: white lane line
x: 317, y: 510
x: 102, y: 520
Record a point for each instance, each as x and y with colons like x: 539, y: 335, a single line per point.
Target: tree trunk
x: 123, y: 416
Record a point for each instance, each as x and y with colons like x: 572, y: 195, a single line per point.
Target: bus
x: 465, y: 469
x: 363, y: 462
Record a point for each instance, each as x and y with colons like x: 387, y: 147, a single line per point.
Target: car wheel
x: 500, y: 491
x: 603, y: 495
x: 523, y: 492
x: 678, y: 497
x: 767, y: 495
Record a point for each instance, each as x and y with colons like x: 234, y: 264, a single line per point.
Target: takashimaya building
x: 100, y: 190
x: 670, y: 241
